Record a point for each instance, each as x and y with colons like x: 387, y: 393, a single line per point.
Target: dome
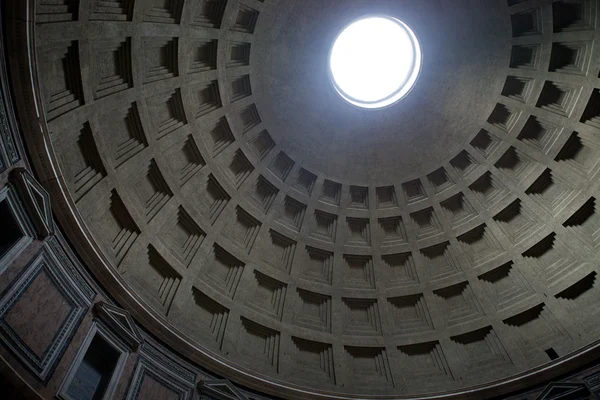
x: 208, y: 169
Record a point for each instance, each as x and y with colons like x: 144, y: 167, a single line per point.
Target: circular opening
x: 375, y: 61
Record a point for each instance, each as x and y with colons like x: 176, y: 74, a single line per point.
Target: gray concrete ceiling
x: 295, y: 243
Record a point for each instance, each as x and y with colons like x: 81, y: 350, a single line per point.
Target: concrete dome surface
x: 243, y: 212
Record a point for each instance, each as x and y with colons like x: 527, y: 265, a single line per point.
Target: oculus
x: 375, y: 61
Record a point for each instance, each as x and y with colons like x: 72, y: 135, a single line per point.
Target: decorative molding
x: 158, y: 355
x: 7, y: 142
x: 593, y: 382
x: 42, y: 366
x: 219, y: 389
x: 121, y: 322
x: 19, y: 215
x: 564, y: 391
x: 156, y: 365
x: 36, y: 200
x: 72, y: 268
x: 144, y: 370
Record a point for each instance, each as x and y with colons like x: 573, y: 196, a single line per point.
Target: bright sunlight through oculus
x: 375, y: 61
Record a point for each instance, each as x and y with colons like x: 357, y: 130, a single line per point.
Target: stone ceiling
x: 300, y: 246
